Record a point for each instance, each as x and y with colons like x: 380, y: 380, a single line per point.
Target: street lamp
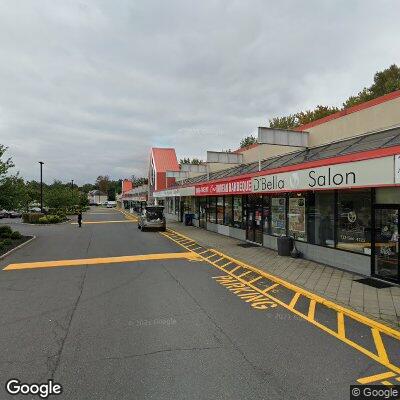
x: 41, y: 185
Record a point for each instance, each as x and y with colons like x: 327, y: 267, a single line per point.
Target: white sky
x: 89, y: 86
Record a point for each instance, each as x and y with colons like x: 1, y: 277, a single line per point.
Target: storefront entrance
x: 254, y: 208
x: 202, y: 212
x: 385, y: 246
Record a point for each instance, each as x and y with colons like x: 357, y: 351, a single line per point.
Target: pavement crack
x: 169, y: 350
x: 53, y: 365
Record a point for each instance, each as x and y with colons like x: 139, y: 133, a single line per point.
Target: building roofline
x: 351, y: 110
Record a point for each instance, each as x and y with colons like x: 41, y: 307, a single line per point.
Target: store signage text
x: 230, y: 187
x: 371, y: 172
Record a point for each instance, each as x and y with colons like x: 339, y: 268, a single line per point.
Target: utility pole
x: 72, y: 183
x: 41, y: 185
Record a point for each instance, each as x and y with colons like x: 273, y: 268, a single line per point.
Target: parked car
x: 3, y: 214
x: 111, y: 204
x: 14, y: 214
x: 152, y: 217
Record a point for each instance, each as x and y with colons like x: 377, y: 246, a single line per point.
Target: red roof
x: 165, y: 159
x: 126, y: 185
x: 351, y: 110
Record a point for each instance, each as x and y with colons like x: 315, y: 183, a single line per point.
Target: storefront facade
x: 341, y: 211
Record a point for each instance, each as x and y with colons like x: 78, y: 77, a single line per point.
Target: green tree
x: 385, y: 82
x: 12, y: 187
x: 61, y: 196
x: 288, y: 122
x: 102, y: 183
x: 247, y: 141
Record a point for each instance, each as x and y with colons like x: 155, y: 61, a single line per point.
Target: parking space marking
x: 106, y: 260
x: 279, y: 291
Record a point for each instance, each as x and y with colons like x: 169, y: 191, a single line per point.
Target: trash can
x: 189, y: 219
x: 285, y: 245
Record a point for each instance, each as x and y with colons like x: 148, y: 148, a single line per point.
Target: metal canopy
x: 282, y: 137
x: 377, y: 140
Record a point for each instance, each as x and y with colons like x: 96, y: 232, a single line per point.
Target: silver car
x: 152, y: 217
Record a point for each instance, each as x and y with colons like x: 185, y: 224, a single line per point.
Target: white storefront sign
x: 378, y: 171
x: 185, y: 191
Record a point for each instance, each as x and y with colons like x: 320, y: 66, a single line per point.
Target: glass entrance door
x: 385, y: 252
x: 254, y: 221
x: 202, y: 212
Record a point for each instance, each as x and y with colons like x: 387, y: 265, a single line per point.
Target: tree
x: 385, y: 82
x: 102, y: 183
x: 12, y: 187
x: 288, y: 122
x: 247, y: 141
x: 61, y: 196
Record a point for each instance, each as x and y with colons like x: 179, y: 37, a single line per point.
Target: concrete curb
x: 18, y: 247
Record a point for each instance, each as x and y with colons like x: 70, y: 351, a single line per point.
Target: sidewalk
x: 331, y: 283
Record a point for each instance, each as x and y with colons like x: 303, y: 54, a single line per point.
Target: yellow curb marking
x: 374, y: 378
x: 106, y: 260
x: 376, y: 327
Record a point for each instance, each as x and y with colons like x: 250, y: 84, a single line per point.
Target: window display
x: 220, y: 210
x: 267, y: 214
x: 297, y: 218
x: 278, y: 216
x: 228, y: 211
x: 321, y: 218
x: 354, y: 221
x: 237, y: 212
x: 211, y: 214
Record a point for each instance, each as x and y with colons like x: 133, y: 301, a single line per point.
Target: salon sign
x: 367, y: 173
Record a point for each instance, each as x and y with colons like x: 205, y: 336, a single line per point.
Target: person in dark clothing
x: 80, y: 219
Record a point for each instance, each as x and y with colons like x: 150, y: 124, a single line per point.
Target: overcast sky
x: 89, y: 86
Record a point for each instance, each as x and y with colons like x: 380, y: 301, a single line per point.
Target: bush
x: 7, y: 242
x: 50, y: 219
x: 5, y: 231
x: 16, y: 235
x: 2, y: 246
x: 32, y: 218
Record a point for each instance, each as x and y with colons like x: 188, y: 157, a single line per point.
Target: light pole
x: 41, y: 185
x: 72, y: 183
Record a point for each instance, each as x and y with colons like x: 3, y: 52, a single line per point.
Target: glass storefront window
x: 177, y: 202
x: 297, y: 217
x: 220, y: 210
x: 211, y: 215
x: 237, y: 212
x: 354, y: 221
x: 390, y: 195
x: 228, y: 210
x: 278, y: 216
x: 321, y: 218
x: 267, y: 214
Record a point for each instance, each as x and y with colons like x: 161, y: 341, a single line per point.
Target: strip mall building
x: 338, y: 195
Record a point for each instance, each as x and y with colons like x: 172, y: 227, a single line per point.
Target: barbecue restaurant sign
x: 237, y: 186
x: 378, y: 171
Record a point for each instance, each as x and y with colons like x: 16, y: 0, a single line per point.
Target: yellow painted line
x: 340, y: 322
x: 102, y: 222
x: 223, y: 266
x: 311, y: 310
x: 269, y: 288
x: 294, y: 300
x: 387, y: 383
x: 255, y: 279
x: 95, y: 261
x: 398, y: 379
x: 244, y: 273
x: 311, y: 314
x: 234, y: 269
x: 375, y: 378
x: 380, y: 347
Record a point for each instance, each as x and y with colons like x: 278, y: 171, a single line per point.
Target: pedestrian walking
x: 80, y: 219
